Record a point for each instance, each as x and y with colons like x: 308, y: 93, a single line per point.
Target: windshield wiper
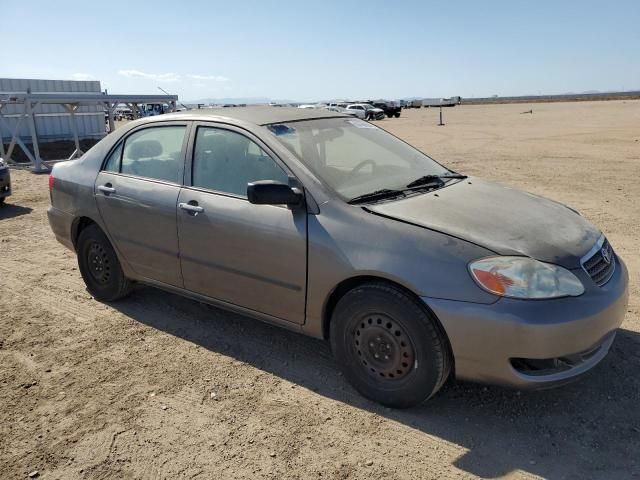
x: 377, y: 195
x: 435, y: 180
x: 425, y: 182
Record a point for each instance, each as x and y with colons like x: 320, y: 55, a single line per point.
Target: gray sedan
x: 330, y: 226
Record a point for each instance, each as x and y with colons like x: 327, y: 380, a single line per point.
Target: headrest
x: 237, y: 147
x: 144, y: 149
x: 214, y: 142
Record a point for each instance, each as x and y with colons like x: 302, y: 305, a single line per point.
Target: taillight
x: 51, y: 182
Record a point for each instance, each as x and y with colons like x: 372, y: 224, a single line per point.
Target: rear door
x: 137, y: 192
x: 253, y: 256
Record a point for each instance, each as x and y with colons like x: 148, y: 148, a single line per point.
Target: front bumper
x: 5, y: 183
x: 563, y: 337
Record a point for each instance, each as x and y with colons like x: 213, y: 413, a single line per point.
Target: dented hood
x: 502, y: 219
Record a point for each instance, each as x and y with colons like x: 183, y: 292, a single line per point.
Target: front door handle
x: 107, y: 189
x: 191, y: 207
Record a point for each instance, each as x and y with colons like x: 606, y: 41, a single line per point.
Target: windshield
x: 354, y: 157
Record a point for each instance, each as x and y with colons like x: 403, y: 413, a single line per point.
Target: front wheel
x: 99, y: 266
x: 389, y: 346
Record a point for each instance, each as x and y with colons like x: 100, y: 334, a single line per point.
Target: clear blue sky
x: 327, y: 49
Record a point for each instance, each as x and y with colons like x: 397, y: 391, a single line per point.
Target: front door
x: 253, y: 256
x: 137, y: 193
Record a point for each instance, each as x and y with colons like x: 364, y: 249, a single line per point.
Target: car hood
x: 502, y: 219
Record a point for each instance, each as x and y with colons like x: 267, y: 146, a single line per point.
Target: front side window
x: 226, y: 161
x: 154, y: 153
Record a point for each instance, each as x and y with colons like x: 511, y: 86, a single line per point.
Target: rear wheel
x: 397, y: 114
x: 2, y: 201
x: 389, y: 346
x: 99, y: 266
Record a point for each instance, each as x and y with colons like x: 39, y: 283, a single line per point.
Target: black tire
x: 376, y: 320
x: 2, y: 201
x: 397, y: 114
x: 99, y: 266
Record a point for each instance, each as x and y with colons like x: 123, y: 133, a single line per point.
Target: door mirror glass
x: 269, y: 192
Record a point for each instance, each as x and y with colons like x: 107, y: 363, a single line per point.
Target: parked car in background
x: 340, y: 104
x: 332, y: 227
x: 352, y: 113
x: 5, y: 181
x: 358, y: 111
x: 411, y: 103
x: 123, y: 113
x: 367, y: 111
x: 389, y: 107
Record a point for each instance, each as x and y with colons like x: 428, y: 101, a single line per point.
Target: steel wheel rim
x: 98, y: 262
x: 383, y: 348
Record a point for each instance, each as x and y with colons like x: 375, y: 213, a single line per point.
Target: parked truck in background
x: 442, y: 102
x: 390, y: 108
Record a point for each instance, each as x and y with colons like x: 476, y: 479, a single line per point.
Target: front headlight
x: 523, y: 277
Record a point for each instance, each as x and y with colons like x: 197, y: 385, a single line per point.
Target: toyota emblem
x: 605, y: 255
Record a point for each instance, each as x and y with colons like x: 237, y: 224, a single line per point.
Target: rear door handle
x: 191, y: 208
x: 106, y: 188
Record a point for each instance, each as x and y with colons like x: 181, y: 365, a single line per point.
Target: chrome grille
x: 600, y: 262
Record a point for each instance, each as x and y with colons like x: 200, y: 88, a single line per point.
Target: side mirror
x: 270, y: 192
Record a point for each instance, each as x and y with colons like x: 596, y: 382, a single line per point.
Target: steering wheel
x: 359, y: 167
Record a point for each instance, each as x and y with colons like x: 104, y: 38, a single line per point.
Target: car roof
x: 258, y: 115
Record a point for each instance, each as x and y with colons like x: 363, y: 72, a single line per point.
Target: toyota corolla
x: 330, y: 226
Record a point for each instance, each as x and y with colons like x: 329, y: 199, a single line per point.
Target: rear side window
x: 154, y: 153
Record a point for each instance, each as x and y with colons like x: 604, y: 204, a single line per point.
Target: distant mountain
x: 236, y: 100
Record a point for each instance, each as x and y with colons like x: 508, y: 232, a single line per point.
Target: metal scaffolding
x: 70, y: 102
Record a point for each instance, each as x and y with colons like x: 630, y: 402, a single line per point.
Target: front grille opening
x: 548, y: 366
x: 599, y: 268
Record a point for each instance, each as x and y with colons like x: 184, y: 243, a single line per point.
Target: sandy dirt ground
x: 158, y: 386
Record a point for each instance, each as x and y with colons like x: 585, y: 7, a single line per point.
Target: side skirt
x: 230, y: 307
